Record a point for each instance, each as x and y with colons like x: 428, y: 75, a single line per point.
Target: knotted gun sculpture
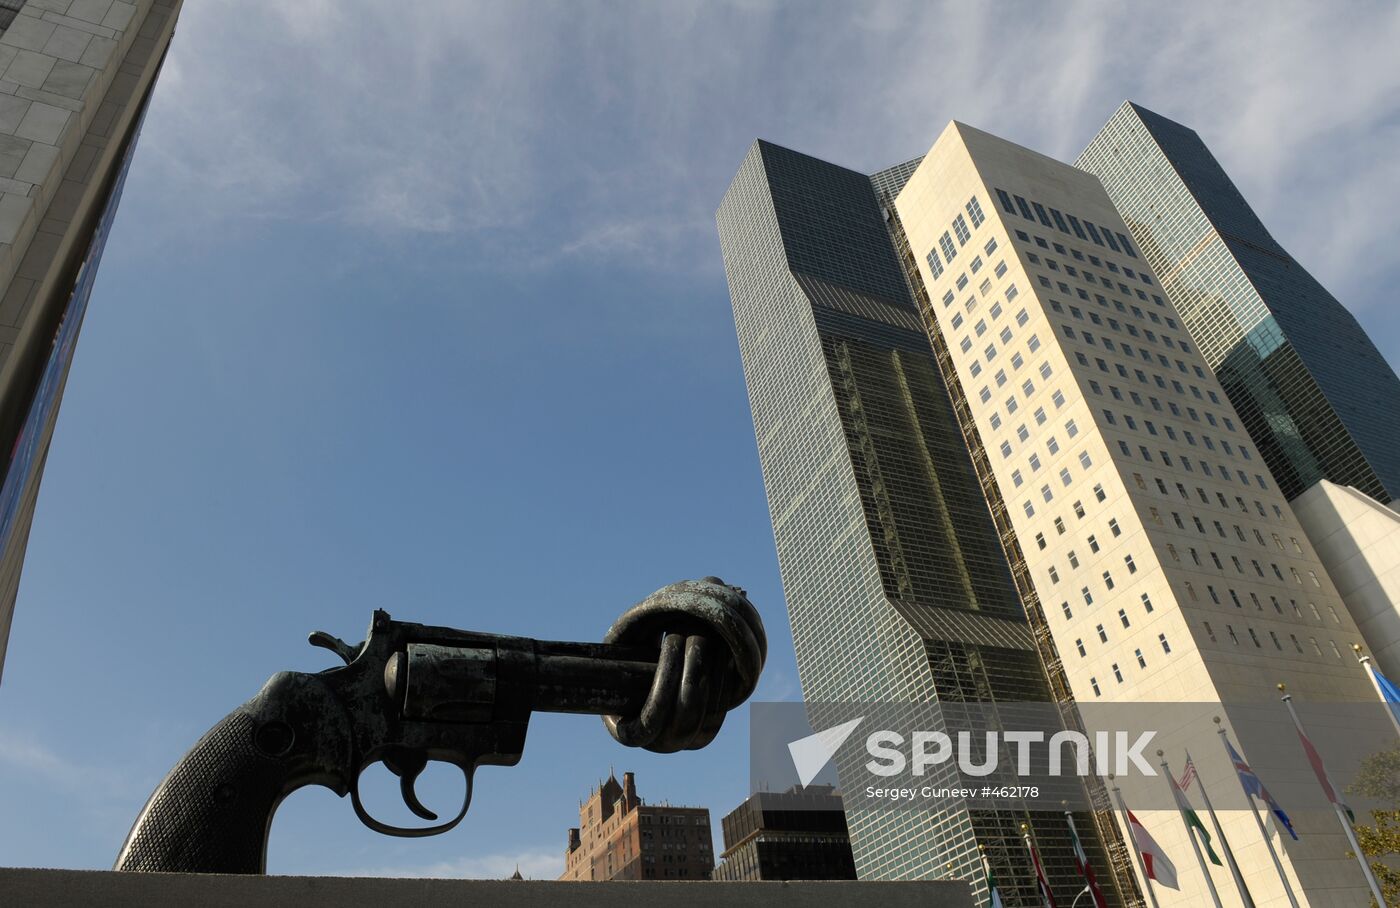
x: 663, y: 679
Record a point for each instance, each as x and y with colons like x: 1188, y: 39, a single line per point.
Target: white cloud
x: 30, y: 757
x: 535, y: 864
x: 534, y: 134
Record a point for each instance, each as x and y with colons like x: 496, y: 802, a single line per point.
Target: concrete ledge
x: 66, y: 888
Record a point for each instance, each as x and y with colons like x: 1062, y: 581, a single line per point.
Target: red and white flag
x: 1188, y: 775
x: 1086, y: 870
x: 1319, y: 770
x: 1160, y: 869
x: 1046, y: 895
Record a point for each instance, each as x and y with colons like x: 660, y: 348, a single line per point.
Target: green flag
x: 1194, y: 822
x: 993, y: 893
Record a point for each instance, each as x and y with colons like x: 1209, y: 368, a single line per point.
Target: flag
x: 993, y: 892
x: 1159, y: 867
x: 1389, y: 691
x: 1188, y: 774
x: 1193, y: 821
x: 1254, y: 787
x: 1081, y: 862
x: 1319, y: 770
x: 1046, y: 895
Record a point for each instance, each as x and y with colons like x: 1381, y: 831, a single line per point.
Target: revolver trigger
x: 334, y: 644
x: 408, y: 765
x: 410, y: 797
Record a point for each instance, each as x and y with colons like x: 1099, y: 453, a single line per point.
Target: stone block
x: 119, y: 16
x: 28, y: 33
x: 93, y: 11
x: 68, y: 80
x: 12, y: 152
x: 43, y: 123
x: 99, y: 52
x: 14, y: 212
x: 29, y: 68
x: 68, y: 43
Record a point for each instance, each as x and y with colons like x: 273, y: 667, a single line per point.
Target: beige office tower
x: 75, y: 79
x: 1166, y: 563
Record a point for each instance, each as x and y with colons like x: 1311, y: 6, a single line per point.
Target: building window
x: 960, y: 228
x: 1142, y: 663
x: 935, y: 266
x: 949, y: 250
x: 1146, y: 602
x: 974, y: 211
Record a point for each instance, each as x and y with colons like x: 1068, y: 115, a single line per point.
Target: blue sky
x: 420, y: 306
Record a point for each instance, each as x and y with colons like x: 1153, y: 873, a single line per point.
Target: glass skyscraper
x: 897, y: 584
x: 1316, y: 395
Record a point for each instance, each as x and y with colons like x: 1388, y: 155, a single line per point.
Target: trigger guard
x: 408, y: 832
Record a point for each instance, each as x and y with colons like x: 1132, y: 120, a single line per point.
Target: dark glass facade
x: 897, y: 585
x: 792, y: 835
x: 1315, y: 394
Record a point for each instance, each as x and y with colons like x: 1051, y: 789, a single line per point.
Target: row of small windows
x: 1066, y: 223
x: 1102, y: 634
x: 1176, y: 411
x: 1278, y: 644
x: 1117, y: 671
x: 1115, y: 668
x: 1130, y: 329
x: 1088, y: 276
x: 1161, y: 383
x: 1092, y: 259
x: 1145, y: 453
x: 1205, y: 499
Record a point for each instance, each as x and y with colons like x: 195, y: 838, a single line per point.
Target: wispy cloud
x: 533, y: 865
x: 28, y: 756
x: 538, y: 133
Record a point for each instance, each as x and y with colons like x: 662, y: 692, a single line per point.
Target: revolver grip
x: 212, y: 813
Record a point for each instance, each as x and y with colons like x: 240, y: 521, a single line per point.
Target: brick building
x: 620, y: 838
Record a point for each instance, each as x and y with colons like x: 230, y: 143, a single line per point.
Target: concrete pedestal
x: 68, y: 888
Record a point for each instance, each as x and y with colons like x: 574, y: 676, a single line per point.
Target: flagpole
x: 1287, y: 699
x: 1136, y: 848
x: 993, y: 894
x: 1224, y: 842
x: 1035, y: 865
x: 1190, y: 833
x: 1086, y: 870
x: 1370, y: 670
x: 1254, y: 812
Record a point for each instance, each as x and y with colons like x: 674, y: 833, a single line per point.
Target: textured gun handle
x: 212, y: 813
